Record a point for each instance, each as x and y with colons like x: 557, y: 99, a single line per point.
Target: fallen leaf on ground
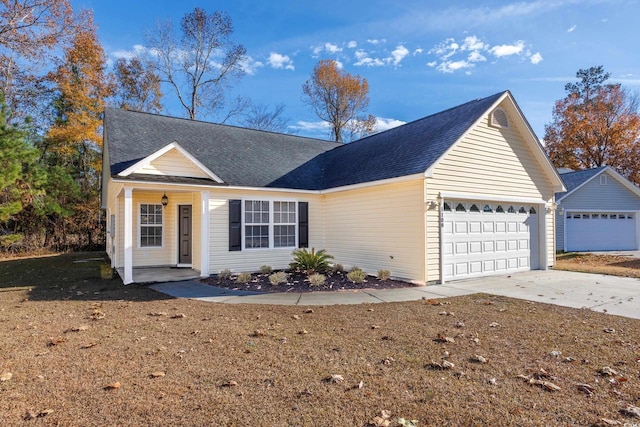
x: 444, y: 339
x: 607, y: 371
x: 445, y: 365
x: 585, y: 388
x: 309, y: 310
x: 296, y: 317
x: 609, y: 330
x: 157, y: 374
x: 610, y: 422
x: 230, y: 383
x: 78, y: 328
x: 631, y: 411
x: 494, y: 324
x: 478, y: 359
x: 113, y: 386
x: 334, y: 378
x: 158, y: 314
x: 258, y: 333
x: 6, y: 376
x: 179, y: 316
x: 86, y: 346
x: 303, y: 332
x: 55, y: 341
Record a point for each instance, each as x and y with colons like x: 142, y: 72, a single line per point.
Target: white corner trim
x: 204, y: 233
x: 172, y: 146
x: 491, y: 198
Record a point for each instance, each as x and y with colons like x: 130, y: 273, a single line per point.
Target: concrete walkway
x: 610, y: 294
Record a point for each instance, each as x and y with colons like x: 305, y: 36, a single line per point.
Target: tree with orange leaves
x: 340, y: 99
x: 74, y: 141
x: 596, y: 124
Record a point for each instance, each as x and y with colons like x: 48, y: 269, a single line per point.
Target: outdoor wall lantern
x: 165, y: 200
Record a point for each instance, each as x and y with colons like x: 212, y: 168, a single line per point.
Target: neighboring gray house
x: 600, y: 211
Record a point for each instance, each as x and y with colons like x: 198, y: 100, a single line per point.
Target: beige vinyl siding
x: 173, y: 163
x: 250, y: 260
x: 487, y: 161
x: 379, y: 227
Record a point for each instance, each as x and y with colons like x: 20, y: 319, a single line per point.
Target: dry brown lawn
x: 87, y: 351
x: 615, y: 265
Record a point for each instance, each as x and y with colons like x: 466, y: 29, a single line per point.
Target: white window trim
x: 271, y: 223
x: 140, y: 227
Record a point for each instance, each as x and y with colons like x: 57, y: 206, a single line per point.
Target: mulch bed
x: 299, y: 282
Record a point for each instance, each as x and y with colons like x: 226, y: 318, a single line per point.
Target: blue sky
x: 419, y: 57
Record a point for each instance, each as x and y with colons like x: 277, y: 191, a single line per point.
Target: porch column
x: 128, y: 236
x: 204, y: 234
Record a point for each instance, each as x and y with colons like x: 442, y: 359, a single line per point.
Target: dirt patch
x: 299, y: 282
x: 86, y: 351
x: 615, y: 265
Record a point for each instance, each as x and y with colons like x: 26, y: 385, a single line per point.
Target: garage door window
x: 487, y: 209
x: 460, y: 208
x: 474, y: 208
x: 499, y: 209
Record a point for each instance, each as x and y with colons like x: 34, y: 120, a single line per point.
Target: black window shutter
x: 303, y: 224
x: 235, y: 225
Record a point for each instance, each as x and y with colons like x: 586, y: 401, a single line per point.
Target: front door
x: 184, y: 234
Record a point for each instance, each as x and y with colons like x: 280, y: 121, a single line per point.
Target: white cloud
x: 383, y: 123
x: 332, y: 48
x: 250, y: 66
x: 536, y: 58
x: 476, y: 56
x: 448, y: 67
x: 352, y: 44
x: 328, y: 47
x: 318, y: 128
x: 399, y: 53
x: 572, y: 29
x: 279, y: 61
x: 418, y: 51
x: 473, y: 43
x: 136, y: 50
x: 507, y: 49
x: 339, y: 64
x: 376, y: 41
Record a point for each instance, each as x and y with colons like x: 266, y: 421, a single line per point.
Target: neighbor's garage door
x: 483, y: 238
x: 604, y: 231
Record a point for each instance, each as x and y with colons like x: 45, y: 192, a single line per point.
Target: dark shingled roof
x: 572, y: 180
x: 243, y: 157
x: 246, y: 157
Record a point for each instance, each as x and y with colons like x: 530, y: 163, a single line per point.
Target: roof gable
x: 171, y: 160
x: 574, y: 181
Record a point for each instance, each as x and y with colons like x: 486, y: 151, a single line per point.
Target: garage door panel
x: 602, y: 231
x: 478, y: 243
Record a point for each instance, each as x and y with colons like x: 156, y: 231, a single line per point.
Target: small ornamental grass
x: 310, y: 261
x: 244, y: 277
x: 317, y: 279
x: 224, y: 274
x: 278, y: 278
x: 337, y: 268
x: 266, y: 269
x: 356, y: 275
x: 384, y: 274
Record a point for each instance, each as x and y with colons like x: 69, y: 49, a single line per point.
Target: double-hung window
x: 269, y: 224
x: 284, y: 224
x: 256, y: 224
x: 150, y: 225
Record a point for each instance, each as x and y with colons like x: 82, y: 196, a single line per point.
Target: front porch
x: 160, y: 274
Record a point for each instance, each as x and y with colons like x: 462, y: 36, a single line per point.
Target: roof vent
x: 499, y: 118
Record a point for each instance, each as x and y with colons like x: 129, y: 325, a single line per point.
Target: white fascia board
x: 174, y: 145
x: 276, y: 189
x: 491, y: 198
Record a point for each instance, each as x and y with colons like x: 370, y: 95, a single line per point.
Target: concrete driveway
x: 609, y: 294
x: 598, y: 292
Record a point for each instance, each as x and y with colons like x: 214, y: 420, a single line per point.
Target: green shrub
x: 384, y: 274
x: 244, y: 277
x: 337, y: 268
x: 310, y: 261
x: 278, y: 277
x: 317, y: 279
x: 356, y: 275
x: 224, y: 274
x: 266, y: 269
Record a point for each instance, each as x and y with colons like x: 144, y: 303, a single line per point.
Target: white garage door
x: 484, y: 238
x: 603, y: 231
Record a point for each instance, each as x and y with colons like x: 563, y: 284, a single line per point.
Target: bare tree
x: 260, y: 117
x: 201, y: 63
x: 138, y: 86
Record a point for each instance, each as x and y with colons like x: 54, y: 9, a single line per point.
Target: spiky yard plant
x: 310, y: 261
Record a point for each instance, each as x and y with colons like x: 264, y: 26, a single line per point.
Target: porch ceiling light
x: 165, y: 200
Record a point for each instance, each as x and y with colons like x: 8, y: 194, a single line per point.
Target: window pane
x: 284, y: 236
